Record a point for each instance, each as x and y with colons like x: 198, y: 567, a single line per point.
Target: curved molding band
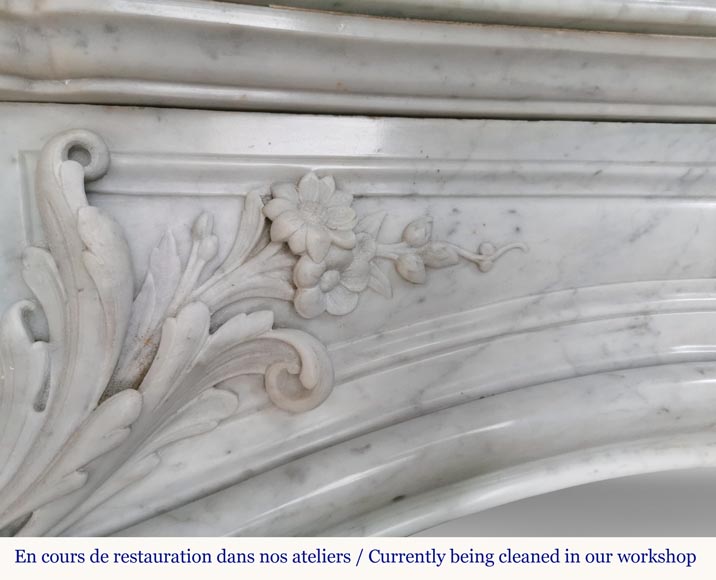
x: 229, y: 56
x: 690, y: 17
x: 444, y: 372
x: 402, y: 479
x: 209, y: 314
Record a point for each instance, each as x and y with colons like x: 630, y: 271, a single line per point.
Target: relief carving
x: 123, y: 374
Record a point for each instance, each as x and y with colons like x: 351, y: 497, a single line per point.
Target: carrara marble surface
x: 221, y: 55
x: 344, y: 325
x: 687, y: 17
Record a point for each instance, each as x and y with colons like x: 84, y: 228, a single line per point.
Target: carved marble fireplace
x: 236, y: 305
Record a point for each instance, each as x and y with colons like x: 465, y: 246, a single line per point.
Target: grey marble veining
x: 499, y: 449
x: 692, y: 17
x: 461, y: 378
x: 198, y: 54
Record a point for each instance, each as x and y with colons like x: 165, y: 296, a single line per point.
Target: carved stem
x: 393, y: 251
x: 487, y: 253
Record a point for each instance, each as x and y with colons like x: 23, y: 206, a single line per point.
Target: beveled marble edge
x: 200, y: 175
x: 191, y: 53
x: 483, y: 492
x: 672, y: 17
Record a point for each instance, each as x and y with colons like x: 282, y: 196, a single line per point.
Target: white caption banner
x: 316, y: 558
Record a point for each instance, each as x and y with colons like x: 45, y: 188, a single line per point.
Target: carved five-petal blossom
x: 334, y: 284
x: 312, y: 216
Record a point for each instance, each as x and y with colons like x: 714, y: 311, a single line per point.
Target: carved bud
x: 208, y: 248
x: 203, y: 226
x: 439, y: 255
x: 486, y: 250
x: 417, y: 233
x: 411, y: 267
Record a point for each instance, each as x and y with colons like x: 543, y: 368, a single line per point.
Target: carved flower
x: 334, y: 284
x: 312, y: 216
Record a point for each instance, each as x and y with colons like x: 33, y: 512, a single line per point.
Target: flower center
x: 329, y: 280
x: 312, y: 212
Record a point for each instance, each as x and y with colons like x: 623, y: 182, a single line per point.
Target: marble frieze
x: 262, y: 324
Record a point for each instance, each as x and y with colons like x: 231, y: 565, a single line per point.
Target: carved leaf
x: 105, y: 429
x: 148, y: 311
x: 108, y: 263
x: 159, y: 286
x: 43, y: 278
x: 180, y: 398
x: 371, y: 223
x: 181, y: 341
x: 379, y: 282
x: 239, y: 329
x: 24, y: 372
x: 201, y: 415
x: 163, y: 392
x: 93, y: 263
x: 251, y: 227
x: 86, y: 291
x: 265, y: 275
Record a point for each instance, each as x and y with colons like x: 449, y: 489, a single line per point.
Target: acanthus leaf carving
x: 88, y: 303
x: 123, y: 375
x: 24, y: 374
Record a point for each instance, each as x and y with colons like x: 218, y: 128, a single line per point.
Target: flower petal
x: 340, y: 218
x: 326, y: 187
x: 277, y: 206
x: 318, y: 242
x: 340, y: 301
x: 344, y: 238
x: 285, y: 191
x: 340, y: 198
x: 308, y: 187
x: 297, y: 242
x: 286, y: 225
x: 307, y: 273
x: 338, y: 259
x: 356, y: 276
x: 309, y: 302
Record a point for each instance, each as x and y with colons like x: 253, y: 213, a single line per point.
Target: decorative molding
x: 211, y: 175
x: 691, y: 17
x: 218, y: 58
x: 123, y: 376
x: 463, y: 458
x: 406, y: 376
x: 499, y: 385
